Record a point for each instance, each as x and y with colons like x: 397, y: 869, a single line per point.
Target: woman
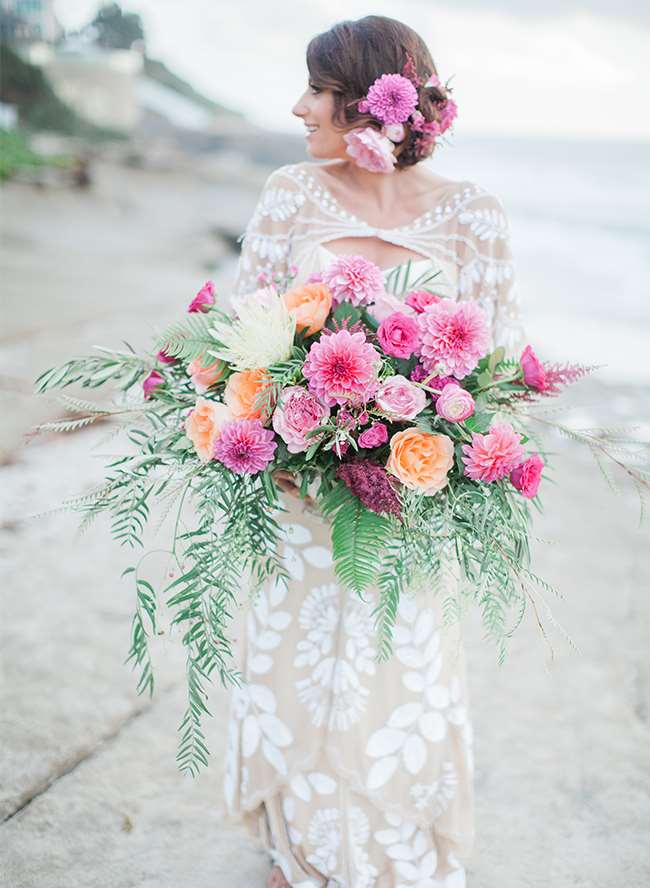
x: 356, y: 772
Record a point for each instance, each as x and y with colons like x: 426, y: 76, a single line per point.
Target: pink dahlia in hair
x: 245, y: 446
x: 391, y: 99
x: 399, y: 335
x: 494, y: 455
x: 342, y: 368
x: 371, y: 150
x: 372, y: 484
x: 454, y: 337
x: 354, y: 279
x: 204, y: 299
x: 152, y: 382
x: 527, y: 475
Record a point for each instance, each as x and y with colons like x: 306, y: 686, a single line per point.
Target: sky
x: 576, y: 69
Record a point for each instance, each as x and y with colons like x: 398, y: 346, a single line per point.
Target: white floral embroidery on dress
x: 415, y: 860
x: 328, y: 836
x: 436, y: 796
x: 333, y: 688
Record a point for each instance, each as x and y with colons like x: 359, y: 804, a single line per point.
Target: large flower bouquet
x: 383, y: 404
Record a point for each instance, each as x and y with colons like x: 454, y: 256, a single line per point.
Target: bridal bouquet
x: 379, y: 397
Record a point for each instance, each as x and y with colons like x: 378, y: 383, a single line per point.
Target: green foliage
x: 116, y: 29
x: 188, y: 339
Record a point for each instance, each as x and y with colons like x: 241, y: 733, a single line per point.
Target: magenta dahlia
x: 354, y: 279
x: 342, y: 368
x: 494, y: 455
x: 245, y: 446
x: 391, y: 99
x: 454, y: 337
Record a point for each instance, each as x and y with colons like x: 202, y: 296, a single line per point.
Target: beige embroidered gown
x: 357, y: 773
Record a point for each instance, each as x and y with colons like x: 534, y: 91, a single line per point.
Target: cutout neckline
x: 383, y: 270
x: 406, y: 227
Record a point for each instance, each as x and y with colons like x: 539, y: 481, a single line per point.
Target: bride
x: 356, y: 772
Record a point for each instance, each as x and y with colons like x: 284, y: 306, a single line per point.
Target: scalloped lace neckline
x: 414, y: 262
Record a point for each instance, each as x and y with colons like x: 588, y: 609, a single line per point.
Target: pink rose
x: 398, y: 398
x: 370, y: 150
x: 534, y: 373
x: 394, y: 131
x: 399, y: 335
x: 386, y: 304
x: 152, y: 382
x: 419, y: 299
x: 298, y: 411
x: 374, y: 436
x: 527, y: 475
x: 204, y: 299
x: 454, y: 403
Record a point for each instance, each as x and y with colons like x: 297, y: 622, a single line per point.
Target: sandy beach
x: 89, y: 790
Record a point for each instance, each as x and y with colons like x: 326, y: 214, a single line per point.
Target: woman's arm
x: 486, y: 270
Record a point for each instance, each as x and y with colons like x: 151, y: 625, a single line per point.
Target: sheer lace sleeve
x: 266, y: 242
x: 486, y: 272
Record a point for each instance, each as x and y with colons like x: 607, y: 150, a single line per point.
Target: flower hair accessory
x: 393, y: 100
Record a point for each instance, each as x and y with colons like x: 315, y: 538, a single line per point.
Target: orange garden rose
x: 421, y: 460
x: 242, y: 390
x: 203, y: 426
x: 310, y: 304
x: 205, y: 375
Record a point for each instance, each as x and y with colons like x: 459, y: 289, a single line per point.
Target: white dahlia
x: 261, y: 335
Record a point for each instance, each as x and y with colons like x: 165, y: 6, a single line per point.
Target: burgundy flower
x: 371, y: 483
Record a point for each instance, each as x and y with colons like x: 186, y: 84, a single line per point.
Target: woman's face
x: 316, y: 106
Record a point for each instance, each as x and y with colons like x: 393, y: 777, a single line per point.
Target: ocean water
x: 579, y: 216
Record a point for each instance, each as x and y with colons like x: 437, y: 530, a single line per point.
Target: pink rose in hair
x: 370, y: 150
x: 527, y: 475
x: 399, y: 399
x: 448, y: 114
x: 298, y: 411
x: 374, y: 436
x: 399, y: 335
x: 419, y: 299
x: 204, y: 299
x: 394, y: 131
x: 534, y: 373
x: 152, y: 382
x: 454, y: 403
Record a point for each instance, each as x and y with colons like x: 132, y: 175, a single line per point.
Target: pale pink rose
x: 527, y: 475
x: 394, y: 131
x: 492, y: 456
x: 370, y: 150
x: 298, y: 411
x: 454, y: 403
x: 419, y: 299
x: 399, y: 335
x: 399, y: 399
x: 385, y: 304
x: 205, y: 375
x: 204, y: 299
x: 534, y: 372
x: 374, y: 436
x: 152, y: 382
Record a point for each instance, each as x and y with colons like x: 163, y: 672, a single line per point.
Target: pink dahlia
x: 399, y: 335
x: 527, y: 475
x: 354, y: 279
x: 454, y: 337
x: 245, y: 446
x: 371, y: 150
x: 494, y: 455
x: 204, y: 299
x: 342, y: 368
x: 391, y: 99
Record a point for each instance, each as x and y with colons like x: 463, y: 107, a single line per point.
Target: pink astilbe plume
x: 556, y: 376
x: 371, y: 483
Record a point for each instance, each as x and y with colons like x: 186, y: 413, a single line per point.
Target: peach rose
x: 241, y: 392
x: 420, y: 460
x: 204, y: 424
x: 205, y: 375
x: 309, y: 304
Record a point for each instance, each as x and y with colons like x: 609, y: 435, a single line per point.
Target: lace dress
x: 357, y: 773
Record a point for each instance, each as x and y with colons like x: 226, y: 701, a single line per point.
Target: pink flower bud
x: 375, y: 436
x: 204, y: 299
x: 152, y: 382
x: 526, y: 476
x: 454, y: 403
x: 534, y: 373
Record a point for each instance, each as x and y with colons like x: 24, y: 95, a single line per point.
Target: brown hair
x: 350, y: 56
